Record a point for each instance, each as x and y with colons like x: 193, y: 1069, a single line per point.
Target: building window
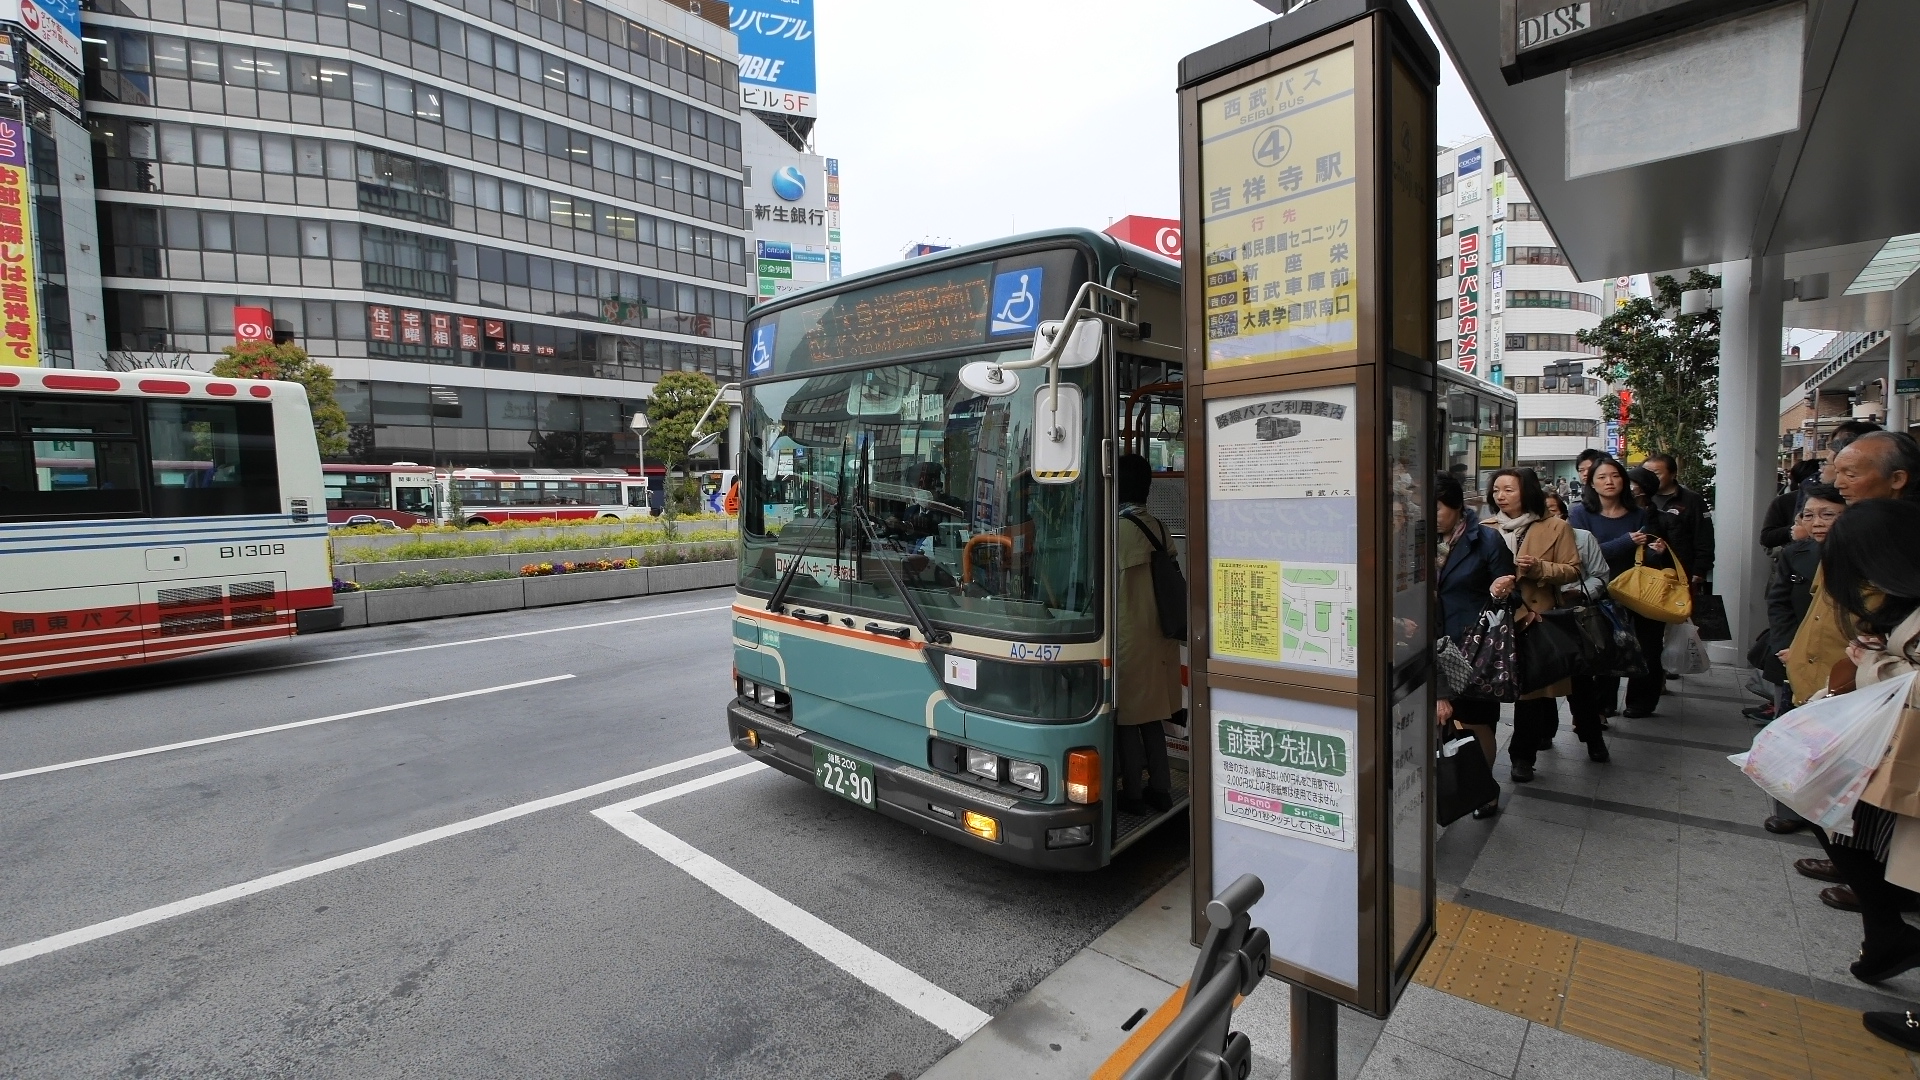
x: 1536, y: 256
x: 1443, y: 349
x: 1444, y: 185
x: 1578, y: 428
x: 1443, y: 268
x: 1553, y: 298
x: 1446, y: 225
x: 1499, y: 166
x: 1444, y: 309
x: 1548, y: 343
x: 1523, y: 211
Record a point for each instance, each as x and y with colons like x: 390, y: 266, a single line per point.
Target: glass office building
x: 499, y: 222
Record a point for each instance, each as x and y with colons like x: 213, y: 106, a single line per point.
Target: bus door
x: 414, y: 494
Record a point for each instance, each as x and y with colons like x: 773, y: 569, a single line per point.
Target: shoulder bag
x: 1169, y: 584
x: 1489, y: 646
x: 1660, y: 595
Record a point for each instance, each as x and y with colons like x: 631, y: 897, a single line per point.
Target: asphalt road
x: 426, y: 891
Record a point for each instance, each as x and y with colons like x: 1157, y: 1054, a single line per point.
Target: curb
x: 382, y: 606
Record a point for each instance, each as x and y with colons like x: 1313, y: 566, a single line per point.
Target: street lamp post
x: 639, y: 425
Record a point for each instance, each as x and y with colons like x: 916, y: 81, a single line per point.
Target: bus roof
x: 147, y: 382
x: 1105, y: 249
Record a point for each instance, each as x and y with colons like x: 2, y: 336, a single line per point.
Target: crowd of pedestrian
x: 1843, y: 613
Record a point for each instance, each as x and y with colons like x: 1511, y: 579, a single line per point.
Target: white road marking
x: 912, y: 992
x: 152, y: 915
x: 232, y: 735
x: 484, y: 640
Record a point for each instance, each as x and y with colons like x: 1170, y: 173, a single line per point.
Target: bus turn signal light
x: 982, y: 826
x: 1083, y: 776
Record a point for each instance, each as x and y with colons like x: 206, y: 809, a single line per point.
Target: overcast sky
x: 962, y: 122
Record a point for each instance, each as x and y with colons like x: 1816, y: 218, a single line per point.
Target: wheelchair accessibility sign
x: 760, y: 360
x: 1016, y: 301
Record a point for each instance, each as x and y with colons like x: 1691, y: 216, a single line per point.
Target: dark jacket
x: 1614, y: 534
x: 1776, y: 529
x: 1790, y: 591
x: 1687, y: 525
x: 1470, y: 570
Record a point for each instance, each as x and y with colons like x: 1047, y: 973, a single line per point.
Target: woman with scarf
x: 1472, y: 567
x: 1545, y: 557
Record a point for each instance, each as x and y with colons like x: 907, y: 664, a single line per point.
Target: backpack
x: 1169, y: 584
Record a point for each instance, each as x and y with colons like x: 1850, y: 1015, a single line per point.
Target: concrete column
x: 1748, y: 442
x: 1897, y: 357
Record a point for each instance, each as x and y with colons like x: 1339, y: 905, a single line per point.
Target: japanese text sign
x: 20, y: 327
x: 1277, y: 206
x: 1466, y: 306
x: 776, y: 55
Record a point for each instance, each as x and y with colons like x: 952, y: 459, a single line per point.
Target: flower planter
x: 379, y: 606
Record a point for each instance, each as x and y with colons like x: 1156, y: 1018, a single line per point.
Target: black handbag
x: 1489, y: 646
x: 1462, y: 780
x: 1762, y: 658
x: 1547, y: 653
x: 1169, y: 584
x: 1591, y: 631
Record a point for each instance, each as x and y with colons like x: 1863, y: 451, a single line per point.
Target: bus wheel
x: 610, y: 517
x: 471, y: 522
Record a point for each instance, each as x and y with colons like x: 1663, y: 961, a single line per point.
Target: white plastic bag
x: 1818, y: 758
x: 1684, y: 653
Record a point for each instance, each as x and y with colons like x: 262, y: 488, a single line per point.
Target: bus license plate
x: 845, y: 776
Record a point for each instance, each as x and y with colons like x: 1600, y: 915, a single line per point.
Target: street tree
x: 1671, y: 363
x: 289, y: 362
x: 678, y: 400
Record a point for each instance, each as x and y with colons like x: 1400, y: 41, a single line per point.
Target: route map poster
x: 1286, y: 777
x: 1277, y: 206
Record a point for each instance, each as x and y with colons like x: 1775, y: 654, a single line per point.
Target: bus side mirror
x: 1058, y: 437
x: 1082, y: 348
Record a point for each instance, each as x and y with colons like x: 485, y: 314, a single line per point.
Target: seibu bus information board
x: 1306, y: 164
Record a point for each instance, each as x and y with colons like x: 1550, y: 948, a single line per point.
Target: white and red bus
x: 491, y: 496
x: 402, y: 494
x: 149, y: 515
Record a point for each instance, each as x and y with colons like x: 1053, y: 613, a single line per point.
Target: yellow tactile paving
x: 1701, y: 1023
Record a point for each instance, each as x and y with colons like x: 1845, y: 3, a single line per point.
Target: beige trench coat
x: 1551, y: 541
x: 1896, y: 783
x: 1147, y: 662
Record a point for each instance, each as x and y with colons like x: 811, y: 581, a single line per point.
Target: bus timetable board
x: 1307, y: 204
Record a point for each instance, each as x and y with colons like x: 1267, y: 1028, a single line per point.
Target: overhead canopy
x: 1842, y: 179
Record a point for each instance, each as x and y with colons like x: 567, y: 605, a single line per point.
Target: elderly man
x: 1878, y: 465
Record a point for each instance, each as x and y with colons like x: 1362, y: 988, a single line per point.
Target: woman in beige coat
x: 1148, y: 662
x: 1545, y: 556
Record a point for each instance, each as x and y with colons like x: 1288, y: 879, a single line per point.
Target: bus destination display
x: 922, y: 315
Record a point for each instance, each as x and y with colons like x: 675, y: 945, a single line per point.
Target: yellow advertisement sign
x: 1277, y: 215
x: 20, y: 326
x: 1246, y: 609
x: 1491, y: 451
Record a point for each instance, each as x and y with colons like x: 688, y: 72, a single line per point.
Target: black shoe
x: 1597, y: 750
x: 1604, y: 726
x: 1482, y: 813
x: 1840, y: 898
x: 1759, y: 714
x: 1900, y: 1029
x: 1523, y: 774
x: 1782, y: 826
x: 1879, y: 969
x: 1161, y: 801
x: 1637, y: 714
x: 1671, y: 677
x: 1818, y: 870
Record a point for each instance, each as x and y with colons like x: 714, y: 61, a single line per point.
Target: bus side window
x: 70, y: 459
x: 416, y: 500
x: 212, y: 458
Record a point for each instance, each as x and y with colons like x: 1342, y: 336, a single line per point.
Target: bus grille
x: 242, y: 589
x: 198, y: 622
x: 192, y: 596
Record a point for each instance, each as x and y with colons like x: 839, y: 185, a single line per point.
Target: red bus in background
x: 402, y: 495
x: 491, y: 496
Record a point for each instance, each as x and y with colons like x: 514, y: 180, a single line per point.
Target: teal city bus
x: 924, y: 620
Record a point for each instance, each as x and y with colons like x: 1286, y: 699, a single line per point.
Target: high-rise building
x: 499, y: 221
x: 1508, y: 307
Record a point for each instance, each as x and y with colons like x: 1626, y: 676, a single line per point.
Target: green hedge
x: 524, y: 545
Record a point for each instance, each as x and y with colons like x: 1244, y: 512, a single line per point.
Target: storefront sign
x: 1466, y: 303
x: 19, y: 298
x: 252, y: 324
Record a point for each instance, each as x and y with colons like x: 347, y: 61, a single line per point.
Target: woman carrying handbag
x: 1545, y: 557
x: 1473, y: 568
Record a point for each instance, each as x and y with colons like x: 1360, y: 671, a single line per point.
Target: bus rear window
x: 211, y: 459
x: 67, y: 459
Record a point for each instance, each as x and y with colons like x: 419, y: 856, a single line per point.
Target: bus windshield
x: 901, y: 474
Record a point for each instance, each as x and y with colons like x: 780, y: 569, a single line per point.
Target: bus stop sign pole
x: 1307, y: 206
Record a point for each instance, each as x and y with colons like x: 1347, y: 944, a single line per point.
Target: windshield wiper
x: 927, y: 630
x: 776, y: 603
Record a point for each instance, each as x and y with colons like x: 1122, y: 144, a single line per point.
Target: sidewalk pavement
x: 1616, y: 922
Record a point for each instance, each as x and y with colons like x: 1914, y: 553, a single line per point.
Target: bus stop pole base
x: 1315, y: 1031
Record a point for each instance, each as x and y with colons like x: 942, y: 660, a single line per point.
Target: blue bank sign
x: 776, y: 56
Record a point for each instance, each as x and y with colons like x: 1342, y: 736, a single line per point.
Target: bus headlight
x: 1027, y: 774
x: 746, y: 688
x: 771, y: 697
x: 983, y: 763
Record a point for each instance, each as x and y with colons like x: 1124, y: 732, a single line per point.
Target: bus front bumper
x: 929, y: 801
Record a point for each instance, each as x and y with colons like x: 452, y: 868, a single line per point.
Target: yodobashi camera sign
x: 776, y: 56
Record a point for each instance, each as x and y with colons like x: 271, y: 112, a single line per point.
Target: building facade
x: 1508, y: 307
x: 500, y: 222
